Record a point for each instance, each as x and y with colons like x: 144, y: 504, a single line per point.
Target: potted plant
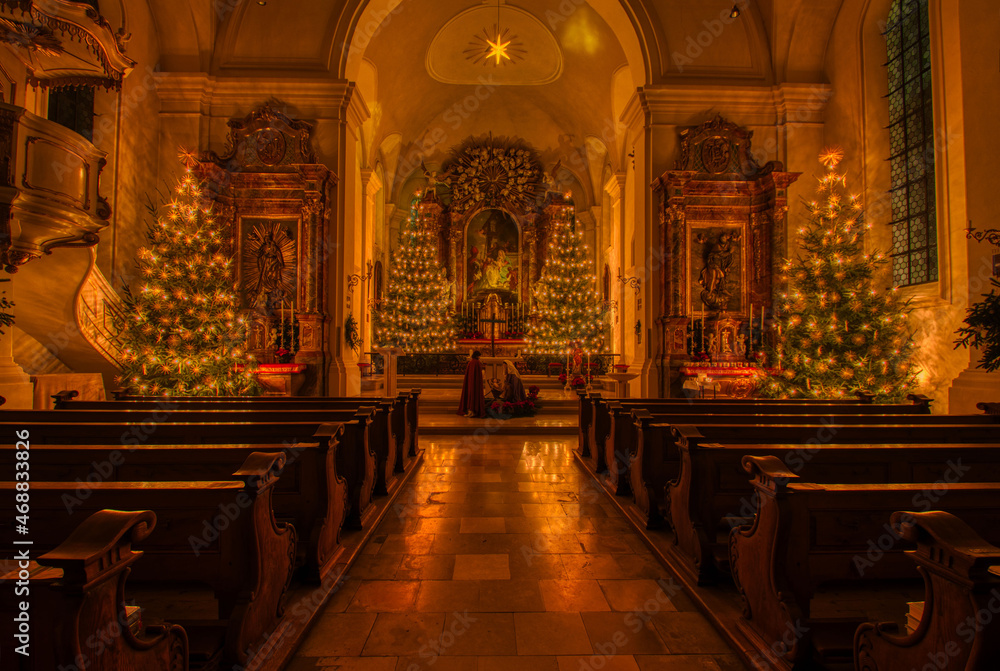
x: 982, y: 328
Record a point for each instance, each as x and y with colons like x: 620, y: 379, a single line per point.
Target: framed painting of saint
x: 493, y: 256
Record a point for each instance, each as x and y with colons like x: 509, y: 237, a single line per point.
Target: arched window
x: 911, y: 138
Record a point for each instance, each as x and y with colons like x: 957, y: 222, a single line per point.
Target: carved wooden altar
x: 276, y: 200
x: 493, y: 212
x: 722, y: 220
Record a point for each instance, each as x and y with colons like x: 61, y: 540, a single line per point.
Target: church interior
x: 491, y: 334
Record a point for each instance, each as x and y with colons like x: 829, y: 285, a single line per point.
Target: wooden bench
x: 405, y: 427
x: 309, y: 493
x: 403, y: 419
x: 960, y: 628
x: 649, y: 460
x: 710, y: 486
x: 222, y: 534
x: 601, y: 429
x: 78, y: 617
x: 588, y: 401
x: 621, y: 445
x: 356, y: 461
x: 805, y: 535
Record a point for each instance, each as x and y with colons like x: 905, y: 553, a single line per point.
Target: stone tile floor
x: 502, y: 554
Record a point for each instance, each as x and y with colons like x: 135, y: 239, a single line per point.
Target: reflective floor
x: 502, y: 554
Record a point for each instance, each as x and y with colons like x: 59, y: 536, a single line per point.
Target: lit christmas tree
x: 570, y: 312
x: 836, y: 332
x: 414, y: 313
x: 181, y: 333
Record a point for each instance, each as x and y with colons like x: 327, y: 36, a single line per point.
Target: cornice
x: 684, y: 104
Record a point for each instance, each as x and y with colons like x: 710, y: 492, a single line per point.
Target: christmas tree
x: 570, y: 313
x: 414, y: 313
x: 181, y: 332
x: 836, y: 332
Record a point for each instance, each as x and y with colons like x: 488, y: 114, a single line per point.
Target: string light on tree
x: 414, y: 313
x: 181, y: 332
x: 836, y: 332
x: 570, y: 311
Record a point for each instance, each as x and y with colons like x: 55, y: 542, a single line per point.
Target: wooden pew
x: 381, y: 439
x: 621, y: 443
x: 222, y: 534
x: 78, y: 613
x: 309, y: 493
x: 710, y: 486
x: 805, y: 535
x: 650, y: 459
x: 356, y: 461
x: 960, y: 628
x: 605, y: 411
x: 589, y: 402
x: 408, y: 435
x: 386, y: 433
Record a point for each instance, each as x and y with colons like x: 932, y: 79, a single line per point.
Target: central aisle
x: 502, y: 554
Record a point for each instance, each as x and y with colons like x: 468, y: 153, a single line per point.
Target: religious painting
x: 268, y: 265
x: 717, y: 269
x: 377, y: 282
x: 492, y: 256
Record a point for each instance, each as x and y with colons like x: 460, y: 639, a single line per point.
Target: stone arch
x: 360, y: 21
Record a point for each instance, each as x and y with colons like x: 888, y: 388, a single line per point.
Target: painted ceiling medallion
x: 497, y: 53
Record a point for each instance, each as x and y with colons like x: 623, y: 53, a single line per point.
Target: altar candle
x: 282, y: 332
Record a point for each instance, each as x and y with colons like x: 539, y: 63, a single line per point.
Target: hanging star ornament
x: 498, y: 50
x: 497, y: 47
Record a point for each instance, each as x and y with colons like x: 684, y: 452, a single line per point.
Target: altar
x: 723, y: 221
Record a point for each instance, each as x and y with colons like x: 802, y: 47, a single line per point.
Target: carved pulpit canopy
x: 64, y: 43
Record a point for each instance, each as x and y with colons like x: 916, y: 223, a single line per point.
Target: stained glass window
x: 911, y: 140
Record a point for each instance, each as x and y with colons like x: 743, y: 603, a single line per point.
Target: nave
x: 504, y: 554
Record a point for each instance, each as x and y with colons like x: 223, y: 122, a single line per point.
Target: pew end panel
x: 80, y: 600
x: 255, y: 599
x: 767, y: 601
x: 585, y: 416
x: 649, y: 470
x: 960, y: 625
x: 694, y: 532
x: 324, y: 548
x: 598, y: 428
x: 619, y: 449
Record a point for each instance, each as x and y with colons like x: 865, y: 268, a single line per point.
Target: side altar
x: 723, y: 221
x: 275, y: 197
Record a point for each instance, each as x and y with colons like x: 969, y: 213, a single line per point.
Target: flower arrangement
x: 506, y: 409
x: 578, y: 381
x: 473, y: 335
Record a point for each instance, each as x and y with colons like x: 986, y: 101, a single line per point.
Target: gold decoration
x: 269, y: 265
